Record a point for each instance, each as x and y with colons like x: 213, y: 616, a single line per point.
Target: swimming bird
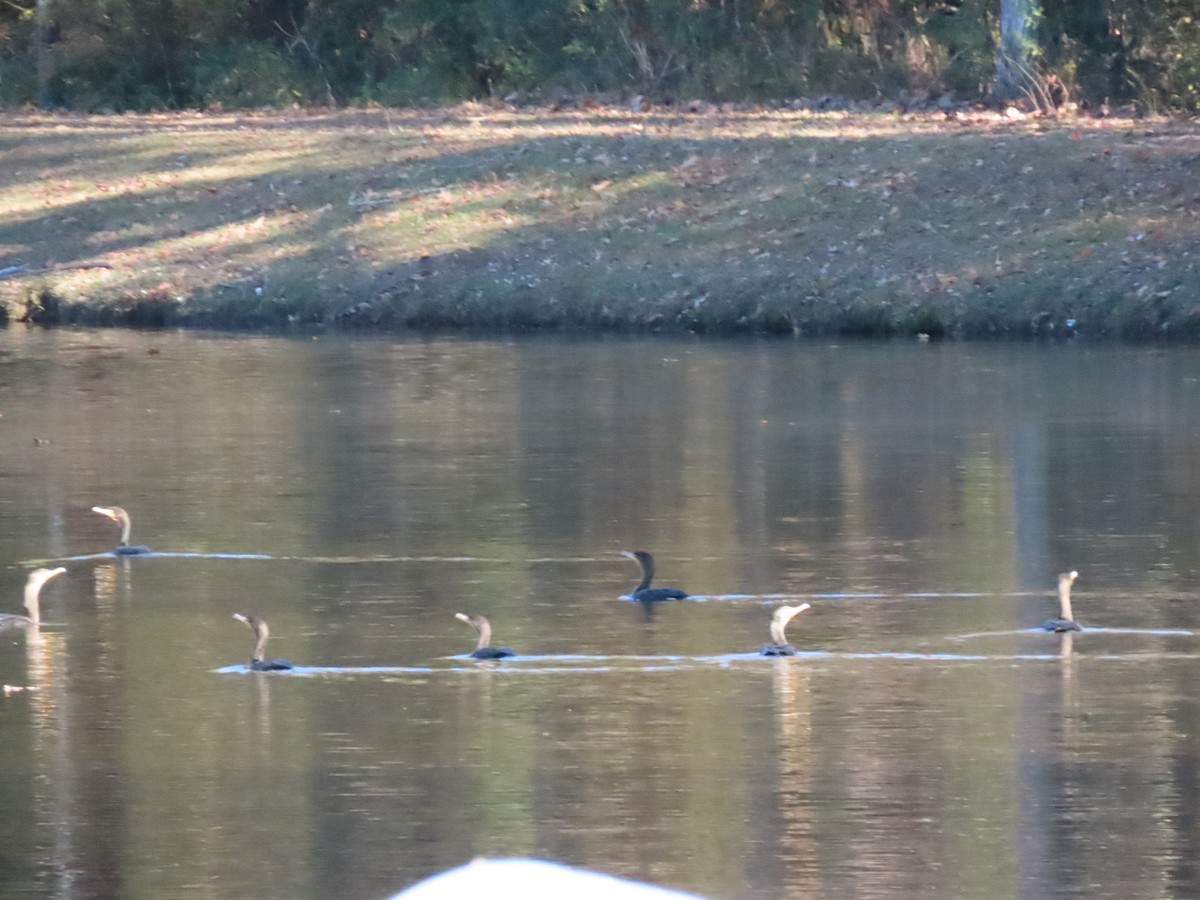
x: 33, y: 589
x: 121, y: 517
x: 779, y: 645
x: 643, y: 592
x: 484, y: 627
x: 1065, y: 621
x: 262, y: 632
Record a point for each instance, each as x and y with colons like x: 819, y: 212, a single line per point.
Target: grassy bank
x: 714, y: 221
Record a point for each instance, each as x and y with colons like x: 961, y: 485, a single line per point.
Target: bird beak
x: 105, y: 511
x: 799, y: 609
x: 463, y: 618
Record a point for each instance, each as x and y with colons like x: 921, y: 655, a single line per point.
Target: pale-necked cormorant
x: 121, y: 517
x: 643, y: 592
x: 1066, y: 621
x: 33, y: 589
x: 484, y: 627
x: 779, y: 645
x: 262, y: 632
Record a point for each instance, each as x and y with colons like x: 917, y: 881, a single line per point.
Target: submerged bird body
x: 492, y: 653
x: 483, y: 650
x: 777, y: 650
x: 33, y: 589
x: 779, y: 645
x: 1061, y: 625
x: 269, y: 665
x: 643, y: 592
x: 131, y: 550
x: 1065, y: 621
x: 258, y: 663
x: 118, y: 515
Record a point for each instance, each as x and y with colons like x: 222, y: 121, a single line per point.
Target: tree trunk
x: 1015, y: 53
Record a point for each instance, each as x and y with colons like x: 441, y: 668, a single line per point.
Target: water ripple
x: 577, y: 663
x: 1090, y: 629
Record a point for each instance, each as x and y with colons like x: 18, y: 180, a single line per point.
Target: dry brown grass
x: 719, y: 221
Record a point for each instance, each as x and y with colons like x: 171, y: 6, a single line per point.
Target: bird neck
x: 777, y: 632
x: 1064, y: 599
x: 485, y: 636
x: 126, y: 527
x: 260, y: 648
x: 32, y: 602
x: 647, y: 574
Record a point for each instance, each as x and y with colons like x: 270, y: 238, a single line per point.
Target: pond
x: 358, y: 493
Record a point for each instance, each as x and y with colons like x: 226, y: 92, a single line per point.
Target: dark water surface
x: 358, y: 493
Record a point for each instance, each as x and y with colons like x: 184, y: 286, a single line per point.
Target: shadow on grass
x: 480, y: 219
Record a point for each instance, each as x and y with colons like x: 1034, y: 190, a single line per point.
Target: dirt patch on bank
x: 789, y: 221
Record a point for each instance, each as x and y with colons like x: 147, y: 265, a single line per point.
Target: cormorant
x: 779, y: 645
x: 484, y: 627
x: 643, y: 592
x: 1066, y: 621
x: 121, y: 517
x: 33, y: 588
x: 262, y: 632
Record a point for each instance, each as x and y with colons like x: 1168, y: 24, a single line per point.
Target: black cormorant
x: 484, y: 627
x: 779, y: 645
x: 261, y: 633
x: 643, y: 592
x: 121, y: 517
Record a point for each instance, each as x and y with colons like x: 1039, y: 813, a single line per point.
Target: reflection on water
x: 357, y: 493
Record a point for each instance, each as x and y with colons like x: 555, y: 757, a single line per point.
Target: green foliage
x: 437, y: 80
x: 244, y: 75
x: 1165, y: 64
x: 1120, y: 50
x: 964, y: 35
x: 173, y: 53
x: 18, y: 79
